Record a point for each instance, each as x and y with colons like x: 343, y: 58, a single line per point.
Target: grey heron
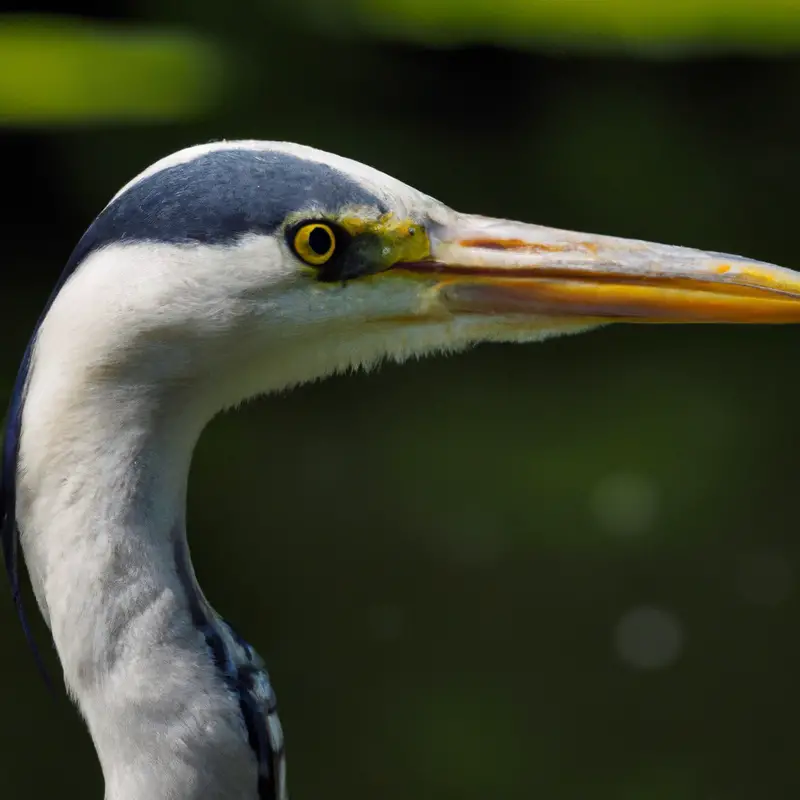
x: 226, y: 271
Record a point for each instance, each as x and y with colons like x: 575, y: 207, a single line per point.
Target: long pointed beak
x: 497, y: 267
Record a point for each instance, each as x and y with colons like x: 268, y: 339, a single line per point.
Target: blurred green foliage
x: 655, y: 26
x: 561, y: 571
x: 62, y: 70
x: 58, y: 69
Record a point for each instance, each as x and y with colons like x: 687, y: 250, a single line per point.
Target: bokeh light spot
x: 625, y: 503
x: 648, y: 638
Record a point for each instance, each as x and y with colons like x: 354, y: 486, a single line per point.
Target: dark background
x: 558, y: 571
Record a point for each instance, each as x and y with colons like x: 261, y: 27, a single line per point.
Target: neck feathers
x: 176, y: 703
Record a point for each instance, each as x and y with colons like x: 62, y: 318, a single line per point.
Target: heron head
x: 232, y: 269
x: 250, y: 266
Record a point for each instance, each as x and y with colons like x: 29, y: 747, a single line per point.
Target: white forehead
x: 378, y: 182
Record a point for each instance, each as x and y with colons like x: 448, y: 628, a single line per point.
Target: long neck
x: 177, y: 706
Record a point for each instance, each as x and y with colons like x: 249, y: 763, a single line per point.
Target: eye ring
x: 314, y: 243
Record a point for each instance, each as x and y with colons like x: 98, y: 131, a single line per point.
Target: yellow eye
x: 314, y: 243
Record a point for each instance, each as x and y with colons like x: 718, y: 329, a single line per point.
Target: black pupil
x: 320, y: 241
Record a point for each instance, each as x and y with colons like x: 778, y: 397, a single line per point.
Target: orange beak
x: 497, y: 267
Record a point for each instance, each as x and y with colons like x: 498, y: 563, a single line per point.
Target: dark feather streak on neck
x: 244, y: 674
